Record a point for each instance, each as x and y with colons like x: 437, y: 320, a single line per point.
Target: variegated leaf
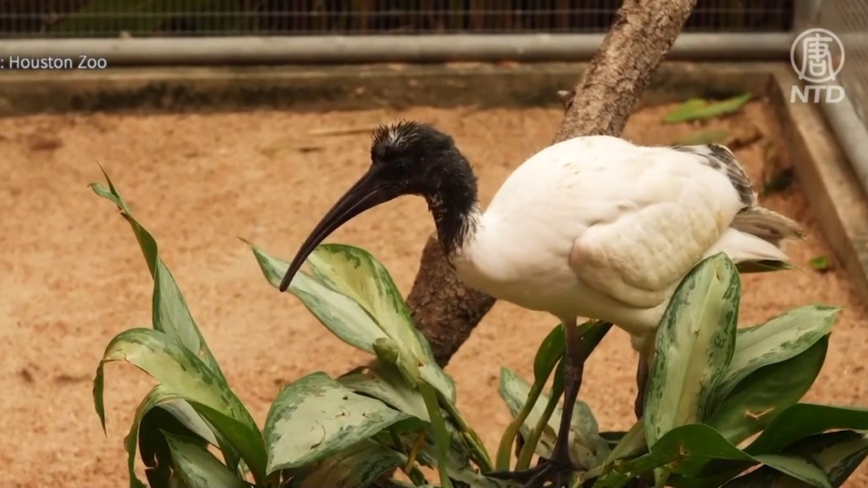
x: 695, y: 343
x: 586, y: 444
x: 355, y: 467
x: 765, y: 393
x: 183, y: 375
x: 198, y: 468
x: 170, y: 312
x: 355, y: 297
x: 383, y: 382
x: 779, y: 339
x: 316, y: 417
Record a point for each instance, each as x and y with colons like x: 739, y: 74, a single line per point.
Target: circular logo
x: 813, y: 48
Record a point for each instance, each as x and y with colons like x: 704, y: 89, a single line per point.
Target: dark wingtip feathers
x: 753, y: 219
x: 720, y: 158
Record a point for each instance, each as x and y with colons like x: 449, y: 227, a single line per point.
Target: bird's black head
x: 407, y: 158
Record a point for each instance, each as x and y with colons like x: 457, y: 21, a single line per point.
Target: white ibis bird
x: 590, y: 227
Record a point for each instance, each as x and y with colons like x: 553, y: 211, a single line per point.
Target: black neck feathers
x: 453, y: 204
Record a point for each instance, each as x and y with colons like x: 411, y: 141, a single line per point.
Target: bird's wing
x: 753, y: 219
x: 664, y: 209
x: 723, y: 160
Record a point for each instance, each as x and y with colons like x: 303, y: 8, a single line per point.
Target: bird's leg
x: 641, y: 383
x: 574, y: 366
x: 642, y: 373
x: 556, y: 472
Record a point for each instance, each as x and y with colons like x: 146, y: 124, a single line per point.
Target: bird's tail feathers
x: 767, y: 225
x: 750, y: 253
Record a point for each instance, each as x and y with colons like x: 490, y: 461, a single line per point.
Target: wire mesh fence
x: 112, y: 18
x: 172, y: 18
x: 848, y: 19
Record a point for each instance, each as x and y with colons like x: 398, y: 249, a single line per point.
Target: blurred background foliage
x: 111, y: 18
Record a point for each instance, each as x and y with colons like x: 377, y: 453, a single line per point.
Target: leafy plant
x: 820, y: 263
x: 713, y: 387
x: 399, y: 413
x: 700, y: 109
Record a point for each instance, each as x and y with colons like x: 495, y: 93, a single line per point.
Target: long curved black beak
x: 367, y: 193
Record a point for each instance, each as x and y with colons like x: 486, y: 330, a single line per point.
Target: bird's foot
x: 548, y: 473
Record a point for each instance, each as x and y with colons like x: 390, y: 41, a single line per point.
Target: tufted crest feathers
x: 401, y: 133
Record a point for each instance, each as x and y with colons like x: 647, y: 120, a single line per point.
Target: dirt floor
x: 71, y: 274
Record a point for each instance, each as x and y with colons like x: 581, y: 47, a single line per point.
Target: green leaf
x: 187, y: 415
x: 197, y: 467
x: 698, y: 109
x: 790, y: 426
x: 631, y: 444
x: 387, y: 353
x: 820, y: 263
x: 183, y: 375
x: 838, y: 454
x: 354, y: 297
x: 152, y: 412
x: 171, y: 316
x: 803, y: 420
x: 390, y: 352
x: 355, y: 467
x: 699, y: 442
x: 316, y: 417
x: 442, y: 437
x: 796, y: 467
x: 170, y: 312
x: 549, y: 353
x: 458, y: 456
x: 354, y: 272
x: 781, y: 338
x: 457, y: 463
x: 760, y: 397
x: 764, y: 477
x: 586, y: 444
x: 695, y: 344
x: 547, y: 356
x: 383, y: 382
x: 531, y: 442
x: 676, y: 446
x: 471, y: 478
x: 614, y: 437
x: 476, y: 447
x: 153, y: 446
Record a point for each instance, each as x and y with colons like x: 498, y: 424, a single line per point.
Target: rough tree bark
x: 445, y: 310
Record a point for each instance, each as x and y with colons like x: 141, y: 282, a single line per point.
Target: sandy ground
x: 71, y: 275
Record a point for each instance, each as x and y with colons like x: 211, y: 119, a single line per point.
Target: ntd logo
x: 818, y: 65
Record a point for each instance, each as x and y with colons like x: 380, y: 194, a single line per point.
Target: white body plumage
x: 599, y: 227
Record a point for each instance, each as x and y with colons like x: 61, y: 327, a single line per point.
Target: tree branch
x: 446, y: 310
